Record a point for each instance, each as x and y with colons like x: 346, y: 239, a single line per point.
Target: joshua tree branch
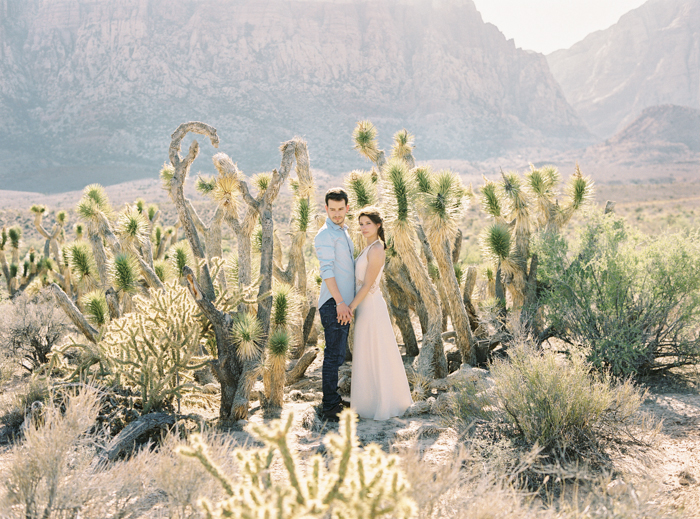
x: 74, y: 314
x: 181, y: 169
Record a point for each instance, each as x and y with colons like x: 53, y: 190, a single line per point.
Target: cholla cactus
x: 154, y: 348
x: 358, y: 482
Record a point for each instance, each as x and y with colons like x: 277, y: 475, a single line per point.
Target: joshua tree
x: 441, y: 204
x: 519, y: 208
x: 399, y: 192
x: 235, y: 372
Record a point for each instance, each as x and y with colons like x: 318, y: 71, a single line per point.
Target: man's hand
x: 344, y: 313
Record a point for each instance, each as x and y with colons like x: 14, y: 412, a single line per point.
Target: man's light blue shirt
x: 335, y: 251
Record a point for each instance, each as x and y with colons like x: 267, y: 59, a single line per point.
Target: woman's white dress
x: 379, y: 388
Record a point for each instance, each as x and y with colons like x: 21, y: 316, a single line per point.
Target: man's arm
x: 325, y: 251
x: 342, y: 309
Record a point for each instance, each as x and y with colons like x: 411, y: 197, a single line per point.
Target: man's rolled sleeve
x: 325, y: 251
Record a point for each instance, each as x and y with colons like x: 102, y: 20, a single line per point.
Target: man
x: 334, y: 249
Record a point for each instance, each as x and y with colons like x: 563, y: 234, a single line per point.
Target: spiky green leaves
x: 124, y: 272
x: 180, y: 256
x: 166, y: 175
x: 3, y: 239
x: 151, y: 212
x: 13, y: 270
x: 132, y: 227
x: 205, y: 185
x: 97, y: 194
x: 45, y: 264
x: 496, y: 242
x: 400, y: 191
x: 82, y: 264
x: 79, y: 230
x: 423, y: 177
x: 403, y: 145
x: 38, y: 209
x: 278, y: 344
x: 285, y: 306
x: 302, y: 214
x: 361, y: 189
x: 94, y: 305
x: 94, y: 206
x: 61, y: 218
x: 15, y: 235
x: 443, y: 205
x: 262, y: 181
x: 365, y: 138
x: 490, y: 203
x: 580, y: 189
x: 162, y: 269
x: 246, y: 333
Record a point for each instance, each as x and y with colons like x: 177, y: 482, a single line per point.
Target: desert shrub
x: 360, y: 482
x: 555, y: 404
x: 30, y: 328
x: 628, y: 300
x: 55, y: 444
x: 559, y: 404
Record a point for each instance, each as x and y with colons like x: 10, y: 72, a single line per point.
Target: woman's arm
x: 375, y: 260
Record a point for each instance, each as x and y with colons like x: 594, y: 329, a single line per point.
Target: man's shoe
x: 333, y: 415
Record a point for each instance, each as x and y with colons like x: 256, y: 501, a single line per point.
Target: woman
x: 379, y: 388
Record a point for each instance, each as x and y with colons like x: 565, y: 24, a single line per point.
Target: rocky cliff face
x: 650, y: 57
x: 90, y: 90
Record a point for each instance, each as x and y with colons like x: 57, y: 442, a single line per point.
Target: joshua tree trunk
x: 460, y: 319
x: 227, y: 367
x: 262, y: 205
x: 469, y: 283
x: 399, y: 304
x: 431, y: 361
x: 6, y: 271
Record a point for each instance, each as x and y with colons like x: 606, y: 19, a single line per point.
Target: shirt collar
x: 335, y: 225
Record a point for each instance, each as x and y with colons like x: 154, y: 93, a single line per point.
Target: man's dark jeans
x: 334, y: 354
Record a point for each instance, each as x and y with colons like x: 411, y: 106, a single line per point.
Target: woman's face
x: 368, y: 228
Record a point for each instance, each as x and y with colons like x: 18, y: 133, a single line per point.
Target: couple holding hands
x: 350, y: 289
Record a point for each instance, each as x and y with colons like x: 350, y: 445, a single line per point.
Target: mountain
x: 662, y: 144
x: 650, y: 57
x: 90, y: 90
x: 670, y: 124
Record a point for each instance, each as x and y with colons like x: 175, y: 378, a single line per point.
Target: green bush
x: 551, y: 402
x: 558, y: 403
x: 632, y: 302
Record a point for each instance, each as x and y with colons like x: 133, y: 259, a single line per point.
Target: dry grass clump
x: 57, y: 470
x: 38, y: 481
x: 472, y: 486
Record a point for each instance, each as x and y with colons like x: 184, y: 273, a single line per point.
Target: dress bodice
x: 361, y: 264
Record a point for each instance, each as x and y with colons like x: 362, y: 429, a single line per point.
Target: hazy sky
x: 548, y: 25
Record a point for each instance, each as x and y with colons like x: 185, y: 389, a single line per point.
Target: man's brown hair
x: 336, y: 193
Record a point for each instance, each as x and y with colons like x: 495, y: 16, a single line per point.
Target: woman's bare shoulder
x: 376, y: 253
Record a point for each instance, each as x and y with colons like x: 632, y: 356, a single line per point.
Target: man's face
x: 336, y: 211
